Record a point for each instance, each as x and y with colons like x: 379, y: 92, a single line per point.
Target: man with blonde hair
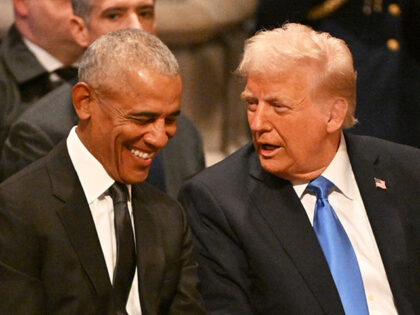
x: 308, y: 219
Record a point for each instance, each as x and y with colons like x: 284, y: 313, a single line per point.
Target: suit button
x: 394, y: 9
x: 393, y: 44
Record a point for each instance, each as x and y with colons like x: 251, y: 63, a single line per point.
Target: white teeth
x: 142, y: 155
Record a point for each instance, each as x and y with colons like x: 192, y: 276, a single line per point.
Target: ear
x: 79, y: 31
x: 20, y: 7
x: 83, y: 98
x: 337, y: 114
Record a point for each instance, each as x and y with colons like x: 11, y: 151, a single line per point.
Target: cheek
x: 149, y: 27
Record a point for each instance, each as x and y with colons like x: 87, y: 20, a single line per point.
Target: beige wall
x: 6, y: 16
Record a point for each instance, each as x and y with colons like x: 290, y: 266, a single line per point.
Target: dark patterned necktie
x: 126, y: 254
x: 338, y: 250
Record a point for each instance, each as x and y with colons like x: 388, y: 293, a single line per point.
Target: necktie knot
x: 320, y: 186
x: 118, y: 193
x: 67, y: 73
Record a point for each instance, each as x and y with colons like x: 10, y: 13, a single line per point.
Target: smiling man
x: 49, y: 120
x: 79, y: 234
x: 307, y: 219
x: 93, y: 18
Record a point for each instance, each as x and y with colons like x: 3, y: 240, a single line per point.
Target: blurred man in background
x: 32, y: 56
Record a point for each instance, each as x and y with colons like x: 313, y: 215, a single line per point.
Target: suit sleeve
x: 187, y: 299
x: 20, y: 287
x: 225, y: 281
x: 24, y: 145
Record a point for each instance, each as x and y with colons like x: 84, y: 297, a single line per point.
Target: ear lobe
x: 79, y: 31
x: 20, y: 7
x: 83, y: 98
x: 338, y: 112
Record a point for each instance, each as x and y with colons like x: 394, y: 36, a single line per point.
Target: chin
x: 134, y: 177
x: 272, y: 167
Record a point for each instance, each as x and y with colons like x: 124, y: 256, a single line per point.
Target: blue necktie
x: 338, y: 250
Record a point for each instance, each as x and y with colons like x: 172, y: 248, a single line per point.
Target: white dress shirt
x: 95, y: 183
x: 48, y: 61
x: 348, y: 205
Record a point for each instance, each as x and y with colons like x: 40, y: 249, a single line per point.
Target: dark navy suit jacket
x: 258, y: 253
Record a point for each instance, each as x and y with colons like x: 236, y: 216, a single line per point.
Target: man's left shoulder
x: 158, y: 203
x: 383, y: 148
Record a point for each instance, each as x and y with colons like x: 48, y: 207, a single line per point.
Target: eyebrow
x: 123, y: 8
x: 246, y: 95
x: 146, y: 6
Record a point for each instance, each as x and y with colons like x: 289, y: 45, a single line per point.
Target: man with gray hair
x: 49, y: 120
x: 307, y: 219
x: 80, y: 231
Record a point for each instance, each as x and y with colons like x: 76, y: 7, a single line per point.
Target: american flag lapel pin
x: 379, y: 183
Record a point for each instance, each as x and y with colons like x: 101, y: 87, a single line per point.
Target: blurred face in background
x: 47, y: 24
x: 110, y: 15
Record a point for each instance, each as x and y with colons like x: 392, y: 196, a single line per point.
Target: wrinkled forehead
x: 133, y: 82
x: 290, y: 76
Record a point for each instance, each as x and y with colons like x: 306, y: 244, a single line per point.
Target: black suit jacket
x: 51, y: 260
x: 257, y: 251
x: 50, y: 119
x: 23, y: 80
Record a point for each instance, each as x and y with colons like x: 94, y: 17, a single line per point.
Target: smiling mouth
x: 142, y: 155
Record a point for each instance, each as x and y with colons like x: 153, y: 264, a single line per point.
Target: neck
x: 325, y: 157
x: 67, y: 53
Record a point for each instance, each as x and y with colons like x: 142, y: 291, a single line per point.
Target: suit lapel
x: 382, y: 207
x: 150, y: 254
x: 77, y: 219
x: 281, y: 208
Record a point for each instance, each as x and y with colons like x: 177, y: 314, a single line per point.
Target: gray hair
x: 82, y: 8
x: 115, y: 53
x: 294, y: 45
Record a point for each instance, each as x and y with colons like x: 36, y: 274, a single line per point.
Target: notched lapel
x: 282, y: 210
x: 150, y: 254
x: 383, y: 208
x: 77, y: 220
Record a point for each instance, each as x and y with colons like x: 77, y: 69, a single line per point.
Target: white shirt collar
x: 48, y: 61
x: 92, y: 175
x: 339, y: 172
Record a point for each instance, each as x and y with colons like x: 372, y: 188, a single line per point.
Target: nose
x: 133, y: 21
x: 258, y: 120
x: 158, y: 135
